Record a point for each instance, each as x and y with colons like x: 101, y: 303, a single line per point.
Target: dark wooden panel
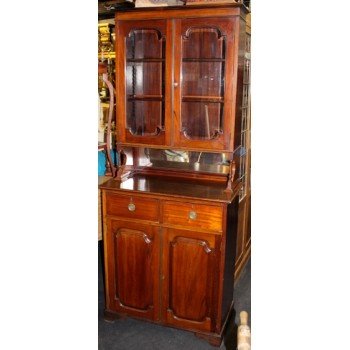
x: 144, y: 208
x: 229, y: 257
x: 132, y: 272
x: 133, y: 250
x: 189, y: 273
x: 186, y: 286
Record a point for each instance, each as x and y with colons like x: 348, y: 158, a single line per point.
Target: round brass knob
x: 131, y: 207
x: 192, y: 215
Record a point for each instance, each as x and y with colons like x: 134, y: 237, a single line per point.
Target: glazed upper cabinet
x: 176, y: 82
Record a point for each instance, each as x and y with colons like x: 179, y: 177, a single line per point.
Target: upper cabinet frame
x: 178, y: 78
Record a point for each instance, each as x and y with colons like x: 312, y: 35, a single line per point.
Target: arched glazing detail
x: 145, y: 71
x: 202, y: 85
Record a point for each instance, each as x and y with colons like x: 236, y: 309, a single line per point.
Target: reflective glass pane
x: 145, y: 65
x: 202, y: 89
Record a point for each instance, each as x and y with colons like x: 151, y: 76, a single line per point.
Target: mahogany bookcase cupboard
x: 172, y: 233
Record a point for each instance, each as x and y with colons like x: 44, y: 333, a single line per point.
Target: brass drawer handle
x: 192, y: 215
x: 131, y: 207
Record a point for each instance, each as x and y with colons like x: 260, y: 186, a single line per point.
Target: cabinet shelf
x: 200, y: 60
x: 145, y: 98
x: 208, y: 99
x: 144, y: 60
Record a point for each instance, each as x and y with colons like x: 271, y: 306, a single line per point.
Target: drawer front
x: 132, y: 207
x: 208, y: 217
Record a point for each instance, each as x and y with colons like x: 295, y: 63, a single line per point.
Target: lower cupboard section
x: 166, y: 275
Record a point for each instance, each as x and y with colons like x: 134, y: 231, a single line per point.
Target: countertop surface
x: 153, y: 185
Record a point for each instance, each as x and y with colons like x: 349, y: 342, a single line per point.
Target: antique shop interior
x: 174, y: 161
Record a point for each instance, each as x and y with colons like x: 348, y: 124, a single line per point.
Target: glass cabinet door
x: 141, y: 75
x: 203, y: 74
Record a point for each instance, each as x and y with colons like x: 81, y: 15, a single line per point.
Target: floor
x: 130, y: 334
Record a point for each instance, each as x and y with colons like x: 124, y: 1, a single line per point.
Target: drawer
x: 132, y: 207
x: 202, y: 216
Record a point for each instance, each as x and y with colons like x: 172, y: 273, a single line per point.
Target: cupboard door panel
x: 142, y: 101
x: 133, y: 268
x: 190, y: 273
x: 133, y: 247
x: 204, y: 74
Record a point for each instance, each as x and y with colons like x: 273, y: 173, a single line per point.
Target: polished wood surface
x: 172, y: 188
x: 132, y: 207
x: 132, y: 250
x: 183, y: 12
x: 165, y: 264
x: 228, y: 258
x: 190, y: 269
x: 207, y: 217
